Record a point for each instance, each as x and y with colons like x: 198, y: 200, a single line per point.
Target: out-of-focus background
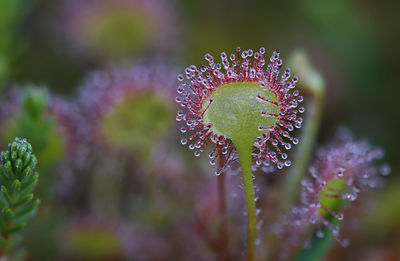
x: 91, y: 84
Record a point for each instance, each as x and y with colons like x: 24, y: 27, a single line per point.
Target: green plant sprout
x: 17, y: 202
x: 33, y: 121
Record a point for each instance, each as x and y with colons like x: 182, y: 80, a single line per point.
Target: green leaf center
x: 326, y: 197
x: 137, y: 121
x: 235, y: 111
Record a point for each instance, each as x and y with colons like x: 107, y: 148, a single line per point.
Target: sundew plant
x: 138, y: 130
x: 246, y: 111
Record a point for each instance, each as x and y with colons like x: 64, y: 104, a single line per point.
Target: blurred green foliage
x: 11, y: 15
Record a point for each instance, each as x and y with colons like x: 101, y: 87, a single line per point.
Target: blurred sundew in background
x: 92, y: 86
x: 117, y: 29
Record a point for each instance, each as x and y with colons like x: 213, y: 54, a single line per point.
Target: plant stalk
x: 223, y: 239
x: 245, y: 162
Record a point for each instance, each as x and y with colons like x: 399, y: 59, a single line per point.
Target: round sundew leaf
x: 117, y: 32
x: 326, y: 199
x: 235, y: 111
x: 137, y: 121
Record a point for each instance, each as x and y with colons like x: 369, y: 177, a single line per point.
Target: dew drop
x: 280, y: 165
x: 197, y: 153
x: 183, y: 141
x: 351, y: 197
x: 288, y: 163
x: 385, y: 169
x: 335, y: 231
x: 180, y: 77
x: 340, y: 172
x: 345, y: 242
x: 208, y: 57
x: 183, y: 129
x: 372, y: 184
x: 260, y: 127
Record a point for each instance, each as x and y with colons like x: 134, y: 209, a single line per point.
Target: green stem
x: 223, y: 238
x: 245, y: 162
